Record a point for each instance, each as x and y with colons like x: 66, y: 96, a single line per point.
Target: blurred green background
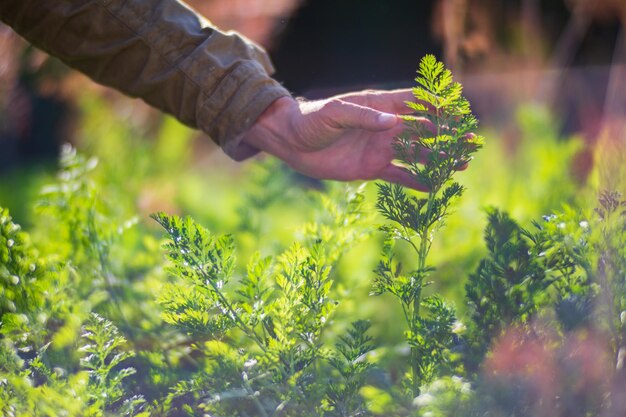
x: 545, y: 78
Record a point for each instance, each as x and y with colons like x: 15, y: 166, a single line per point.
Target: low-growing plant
x: 547, y: 306
x: 262, y: 334
x: 524, y: 272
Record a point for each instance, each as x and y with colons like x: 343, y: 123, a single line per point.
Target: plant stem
x: 254, y: 397
x: 250, y: 332
x: 422, y: 254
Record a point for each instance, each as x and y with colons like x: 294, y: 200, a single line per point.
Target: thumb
x: 353, y: 116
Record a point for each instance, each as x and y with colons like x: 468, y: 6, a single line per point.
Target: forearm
x: 160, y: 51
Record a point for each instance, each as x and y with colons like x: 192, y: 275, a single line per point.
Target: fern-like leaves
x: 438, y: 140
x: 205, y: 263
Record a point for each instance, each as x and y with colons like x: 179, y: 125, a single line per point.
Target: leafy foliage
x: 350, y: 361
x: 94, y: 321
x: 446, y: 397
x: 512, y: 284
x: 443, y: 125
x: 560, y: 272
x: 442, y: 133
x: 18, y: 268
x: 102, y: 347
x: 207, y: 263
x: 72, y: 201
x: 50, y: 296
x: 278, y: 312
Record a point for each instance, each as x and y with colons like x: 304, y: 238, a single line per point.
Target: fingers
x: 386, y: 101
x: 346, y: 115
x: 397, y: 175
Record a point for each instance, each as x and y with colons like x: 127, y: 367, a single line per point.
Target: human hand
x: 347, y: 137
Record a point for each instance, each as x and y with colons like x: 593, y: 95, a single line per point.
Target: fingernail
x: 386, y: 118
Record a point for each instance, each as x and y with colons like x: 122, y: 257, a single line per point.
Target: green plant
x: 103, y: 348
x: 524, y: 272
x: 439, y: 139
x: 56, y: 360
x: 93, y: 324
x: 262, y: 334
x: 549, y: 302
x: 350, y: 362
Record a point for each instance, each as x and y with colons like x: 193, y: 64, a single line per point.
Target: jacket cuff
x: 248, y: 91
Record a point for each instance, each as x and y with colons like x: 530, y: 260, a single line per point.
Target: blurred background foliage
x: 546, y: 78
x: 543, y: 77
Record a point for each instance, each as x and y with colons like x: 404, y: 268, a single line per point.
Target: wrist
x: 271, y: 132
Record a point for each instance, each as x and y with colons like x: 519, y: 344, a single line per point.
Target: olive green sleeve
x: 160, y: 51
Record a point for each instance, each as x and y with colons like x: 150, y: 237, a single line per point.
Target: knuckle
x: 334, y: 104
x: 364, y: 113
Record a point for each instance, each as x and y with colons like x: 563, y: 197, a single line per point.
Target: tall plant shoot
x: 439, y: 139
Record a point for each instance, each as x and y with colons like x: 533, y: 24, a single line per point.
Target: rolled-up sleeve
x: 160, y: 51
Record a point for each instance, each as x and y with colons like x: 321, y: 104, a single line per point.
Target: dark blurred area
x: 329, y: 46
x: 568, y: 54
x: 35, y: 117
